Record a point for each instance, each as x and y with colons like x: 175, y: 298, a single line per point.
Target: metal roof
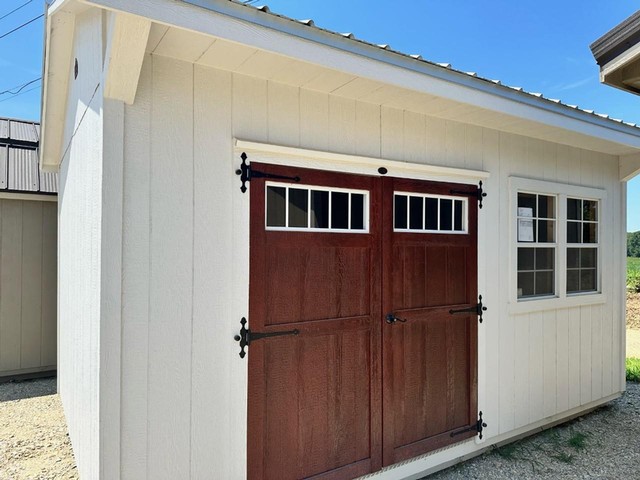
x: 350, y: 37
x: 19, y: 172
x: 617, y: 40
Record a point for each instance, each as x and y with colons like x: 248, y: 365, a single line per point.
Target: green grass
x: 633, y: 274
x: 578, y: 441
x: 633, y: 369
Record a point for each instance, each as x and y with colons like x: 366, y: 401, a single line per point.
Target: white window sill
x: 542, y: 304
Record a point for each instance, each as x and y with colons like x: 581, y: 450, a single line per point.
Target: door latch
x: 390, y: 318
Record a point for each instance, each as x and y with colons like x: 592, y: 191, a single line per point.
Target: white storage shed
x: 222, y: 164
x: 28, y: 254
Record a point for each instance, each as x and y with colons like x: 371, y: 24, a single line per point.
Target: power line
x: 21, y: 26
x: 15, y: 10
x: 18, y: 94
x: 19, y: 87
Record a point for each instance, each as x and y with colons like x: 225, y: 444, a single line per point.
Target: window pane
x: 319, y: 209
x: 588, y: 257
x: 457, y: 215
x: 573, y: 281
x: 400, y: 211
x: 546, y: 206
x: 527, y: 200
x: 525, y: 258
x: 431, y: 214
x: 574, y: 209
x: 357, y: 211
x: 298, y: 207
x: 590, y: 210
x: 415, y: 213
x: 544, y: 283
x: 525, y: 284
x: 573, y: 232
x: 588, y: 280
x: 446, y: 210
x: 276, y: 206
x: 339, y: 210
x: 546, y: 231
x: 573, y: 257
x: 545, y: 258
x: 589, y: 233
x: 526, y: 230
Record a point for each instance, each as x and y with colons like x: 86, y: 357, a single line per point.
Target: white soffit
x: 298, y: 53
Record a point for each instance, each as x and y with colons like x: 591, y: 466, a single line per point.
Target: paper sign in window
x: 525, y: 230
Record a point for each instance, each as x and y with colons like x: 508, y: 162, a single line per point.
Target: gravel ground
x: 633, y: 310
x: 34, y: 444
x: 604, y: 444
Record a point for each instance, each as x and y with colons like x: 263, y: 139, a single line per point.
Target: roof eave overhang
x: 246, y: 25
x: 58, y: 50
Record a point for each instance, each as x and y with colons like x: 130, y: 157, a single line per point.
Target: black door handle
x: 390, y: 318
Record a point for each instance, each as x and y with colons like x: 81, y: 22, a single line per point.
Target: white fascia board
x: 240, y: 24
x: 37, y: 197
x: 58, y: 51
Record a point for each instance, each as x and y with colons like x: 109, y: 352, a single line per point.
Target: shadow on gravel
x: 20, y: 390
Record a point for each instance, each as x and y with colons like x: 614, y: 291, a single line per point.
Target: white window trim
x: 562, y: 192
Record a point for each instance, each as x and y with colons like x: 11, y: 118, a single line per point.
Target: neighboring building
x: 28, y: 254
x: 358, y: 240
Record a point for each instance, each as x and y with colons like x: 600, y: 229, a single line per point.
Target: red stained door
x: 351, y: 392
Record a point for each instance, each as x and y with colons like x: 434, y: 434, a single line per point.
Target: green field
x: 633, y: 273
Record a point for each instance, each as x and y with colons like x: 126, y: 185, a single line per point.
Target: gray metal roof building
x: 19, y: 172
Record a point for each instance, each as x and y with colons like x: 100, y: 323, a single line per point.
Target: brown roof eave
x: 617, y: 40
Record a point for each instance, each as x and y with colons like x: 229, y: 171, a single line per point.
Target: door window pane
x: 319, y: 209
x: 357, y: 211
x: 457, y: 215
x: 400, y: 211
x: 416, y: 215
x: 298, y: 207
x: 431, y: 214
x: 339, y: 210
x: 276, y: 206
x: 446, y: 212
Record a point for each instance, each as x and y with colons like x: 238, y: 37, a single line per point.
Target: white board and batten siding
x: 185, y: 264
x: 28, y: 258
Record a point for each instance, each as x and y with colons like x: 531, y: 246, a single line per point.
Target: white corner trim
x: 304, y: 158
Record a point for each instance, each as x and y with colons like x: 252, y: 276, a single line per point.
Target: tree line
x: 633, y: 244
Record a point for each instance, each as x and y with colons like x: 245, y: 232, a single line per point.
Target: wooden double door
x: 359, y: 275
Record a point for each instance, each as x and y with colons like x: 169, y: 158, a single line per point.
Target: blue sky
x: 542, y: 46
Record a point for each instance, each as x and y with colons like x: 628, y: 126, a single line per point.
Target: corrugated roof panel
x: 48, y: 182
x: 23, y: 169
x: 37, y: 127
x: 4, y: 128
x: 24, y: 131
x: 3, y: 166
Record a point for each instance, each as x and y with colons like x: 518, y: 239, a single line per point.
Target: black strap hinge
x: 247, y: 173
x: 479, y: 426
x: 478, y: 309
x: 479, y: 193
x: 246, y: 336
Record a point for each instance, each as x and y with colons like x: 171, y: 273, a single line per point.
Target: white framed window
x: 426, y: 213
x: 555, y: 253
x: 309, y: 208
x: 583, y: 245
x: 537, y: 232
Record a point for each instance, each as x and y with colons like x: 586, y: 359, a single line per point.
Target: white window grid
x: 424, y: 196
x: 562, y: 192
x: 309, y: 188
x: 595, y: 246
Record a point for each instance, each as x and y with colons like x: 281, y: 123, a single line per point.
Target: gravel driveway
x: 605, y: 444
x: 33, y: 435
